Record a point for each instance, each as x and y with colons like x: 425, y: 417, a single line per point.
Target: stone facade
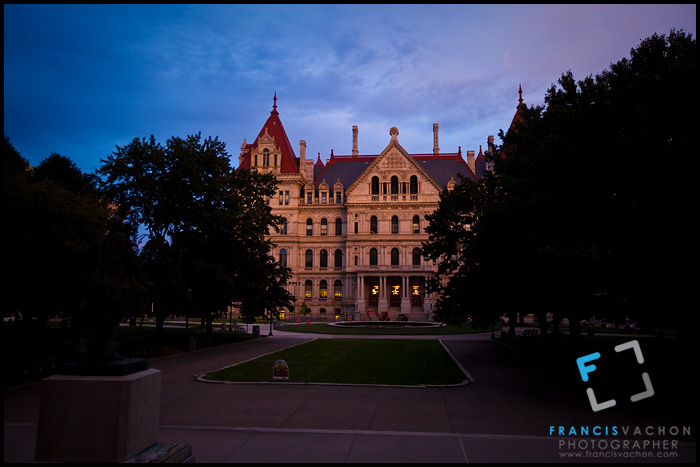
x: 355, y: 224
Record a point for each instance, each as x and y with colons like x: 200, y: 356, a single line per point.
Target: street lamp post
x: 187, y: 314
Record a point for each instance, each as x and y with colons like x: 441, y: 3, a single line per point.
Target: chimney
x: 302, y: 157
x: 354, y: 141
x: 471, y: 162
x: 436, y: 148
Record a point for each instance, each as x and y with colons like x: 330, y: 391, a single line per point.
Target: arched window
x: 338, y: 289
x: 309, y: 227
x: 283, y: 258
x: 394, y: 185
x: 307, y: 289
x: 416, y: 256
x: 413, y: 185
x: 375, y: 185
x: 416, y: 224
x: 395, y: 224
x: 338, y: 258
x: 324, y: 226
x: 373, y: 257
x: 323, y: 259
x: 323, y: 290
x: 266, y: 158
x: 339, y: 226
x: 394, y: 256
x: 309, y: 263
x: 373, y: 225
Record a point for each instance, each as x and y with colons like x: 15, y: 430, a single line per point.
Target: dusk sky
x: 82, y: 79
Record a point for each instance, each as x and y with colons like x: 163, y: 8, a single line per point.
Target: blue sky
x: 82, y: 79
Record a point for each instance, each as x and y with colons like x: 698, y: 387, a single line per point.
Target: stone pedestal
x: 98, y: 418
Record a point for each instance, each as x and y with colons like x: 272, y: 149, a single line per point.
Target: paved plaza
x: 512, y: 411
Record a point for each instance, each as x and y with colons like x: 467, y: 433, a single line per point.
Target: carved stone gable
x: 392, y: 162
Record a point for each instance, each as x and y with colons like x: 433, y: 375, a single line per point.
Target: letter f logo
x: 584, y: 370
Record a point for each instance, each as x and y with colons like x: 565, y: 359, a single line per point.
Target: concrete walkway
x: 507, y: 415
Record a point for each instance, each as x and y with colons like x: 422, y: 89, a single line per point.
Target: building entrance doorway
x: 394, y: 288
x: 417, y: 291
x: 372, y: 292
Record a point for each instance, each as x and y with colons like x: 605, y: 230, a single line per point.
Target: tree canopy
x: 53, y: 215
x: 206, y: 224
x: 586, y: 212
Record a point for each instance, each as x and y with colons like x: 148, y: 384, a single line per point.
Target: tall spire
x: 520, y: 93
x: 274, y: 105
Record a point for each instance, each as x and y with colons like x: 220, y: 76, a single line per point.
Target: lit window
x: 338, y: 289
x: 416, y: 224
x: 307, y: 289
x: 323, y: 290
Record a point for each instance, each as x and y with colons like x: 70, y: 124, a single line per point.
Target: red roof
x: 275, y: 129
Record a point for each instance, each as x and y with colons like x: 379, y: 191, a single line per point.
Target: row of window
x: 395, y: 258
x: 395, y: 294
x: 373, y: 226
x: 323, y: 289
x: 394, y: 187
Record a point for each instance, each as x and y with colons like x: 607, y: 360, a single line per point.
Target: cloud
x: 77, y: 76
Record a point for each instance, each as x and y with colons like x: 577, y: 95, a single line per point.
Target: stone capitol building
x: 354, y: 225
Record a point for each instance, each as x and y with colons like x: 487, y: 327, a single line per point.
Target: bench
x: 531, y: 333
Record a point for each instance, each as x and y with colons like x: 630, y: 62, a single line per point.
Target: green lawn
x: 354, y: 361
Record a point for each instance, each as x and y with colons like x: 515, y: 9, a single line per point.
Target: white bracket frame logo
x: 584, y: 370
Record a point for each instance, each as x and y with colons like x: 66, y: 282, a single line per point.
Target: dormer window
x: 413, y: 185
x: 266, y: 158
x: 338, y: 192
x: 394, y: 185
x: 375, y: 185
